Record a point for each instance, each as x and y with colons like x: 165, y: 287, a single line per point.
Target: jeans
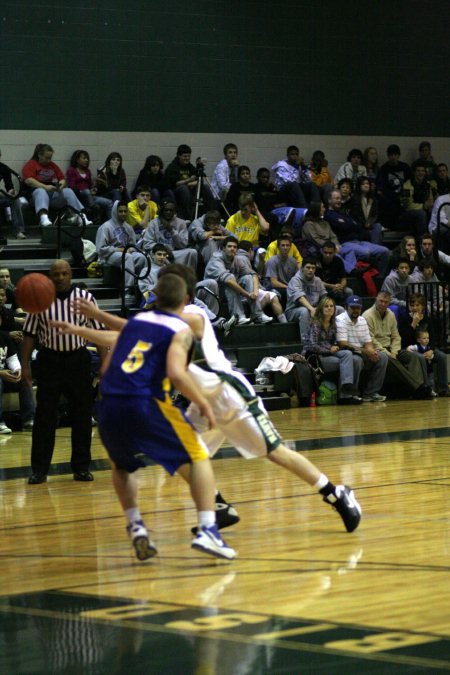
x: 42, y: 199
x: 26, y: 399
x: 349, y: 366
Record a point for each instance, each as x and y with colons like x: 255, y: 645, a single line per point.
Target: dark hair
x: 313, y: 213
x: 393, y: 149
x: 329, y: 244
x: 318, y: 155
x: 442, y: 164
x: 366, y: 157
x: 245, y: 245
x: 309, y: 260
x: 121, y: 202
x: 421, y: 164
x: 425, y: 262
x: 160, y: 247
x: 242, y: 168
x: 424, y: 144
x: 113, y: 155
x: 153, y: 160
x: 427, y: 235
x: 211, y: 216
x: 284, y: 237
x: 360, y: 181
x: 261, y: 170
x: 76, y: 156
x: 403, y: 260
x: 417, y: 297
x: 346, y: 180
x: 228, y: 239
x: 354, y: 152
x: 40, y: 149
x: 183, y: 150
x: 291, y: 148
x: 142, y: 188
x: 229, y: 146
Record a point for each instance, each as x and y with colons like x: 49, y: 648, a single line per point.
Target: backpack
x: 327, y: 393
x: 94, y: 270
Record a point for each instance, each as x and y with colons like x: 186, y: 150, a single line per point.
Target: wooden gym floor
x: 302, y: 597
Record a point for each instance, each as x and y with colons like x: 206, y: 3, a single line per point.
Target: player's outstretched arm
x: 103, y: 338
x: 91, y: 311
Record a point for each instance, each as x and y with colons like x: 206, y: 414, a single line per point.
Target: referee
x: 63, y: 367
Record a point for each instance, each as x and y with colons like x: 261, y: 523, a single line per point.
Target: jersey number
x: 135, y: 358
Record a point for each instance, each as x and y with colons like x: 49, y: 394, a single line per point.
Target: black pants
x: 69, y: 374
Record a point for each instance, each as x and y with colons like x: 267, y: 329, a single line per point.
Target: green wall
x: 376, y: 68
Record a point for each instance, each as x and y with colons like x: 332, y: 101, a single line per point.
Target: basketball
x: 35, y: 292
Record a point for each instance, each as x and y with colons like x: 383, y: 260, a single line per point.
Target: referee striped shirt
x: 37, y: 325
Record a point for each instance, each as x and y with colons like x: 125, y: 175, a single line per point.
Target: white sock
x: 323, y: 480
x: 206, y: 518
x: 132, y: 515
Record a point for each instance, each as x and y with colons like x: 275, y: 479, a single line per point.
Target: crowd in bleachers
x: 274, y: 249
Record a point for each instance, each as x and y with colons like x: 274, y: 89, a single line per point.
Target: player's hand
x: 83, y: 306
x: 206, y: 411
x: 16, y: 335
x: 62, y: 327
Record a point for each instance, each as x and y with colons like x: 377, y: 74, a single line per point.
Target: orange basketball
x: 35, y: 292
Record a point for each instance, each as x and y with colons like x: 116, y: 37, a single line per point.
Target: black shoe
x: 84, y: 476
x: 37, y: 478
x: 226, y: 514
x: 444, y: 393
x: 346, y: 505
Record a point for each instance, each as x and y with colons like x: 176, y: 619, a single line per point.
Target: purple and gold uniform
x: 138, y: 422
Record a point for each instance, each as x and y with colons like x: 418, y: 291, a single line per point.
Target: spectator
x: 321, y: 340
x: 414, y: 319
x: 207, y: 234
x: 429, y: 251
x: 425, y: 159
x: 182, y: 177
x: 248, y: 223
x: 402, y: 366
x: 160, y: 257
x: 407, y: 249
x: 266, y: 298
x: 442, y: 179
x: 364, y: 209
x: 111, y: 179
x: 112, y: 238
x: 152, y: 175
x: 48, y: 186
x: 330, y: 268
x: 345, y: 187
x: 316, y: 230
x: 441, y: 211
x: 293, y: 180
x: 370, y: 161
x: 320, y: 175
x: 79, y: 179
x: 225, y: 172
x: 11, y: 374
x: 63, y: 367
x: 396, y: 284
x: 352, y: 237
x: 11, y: 203
x: 141, y: 210
x: 243, y: 186
x: 266, y: 194
x: 353, y: 333
x: 272, y: 248
x: 280, y: 268
x: 171, y: 231
x: 391, y: 177
x: 423, y: 346
x: 235, y: 280
x: 304, y: 292
x: 417, y: 199
x: 352, y: 169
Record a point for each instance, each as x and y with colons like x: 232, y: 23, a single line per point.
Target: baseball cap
x: 354, y: 301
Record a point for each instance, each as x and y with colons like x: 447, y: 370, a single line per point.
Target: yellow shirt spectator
x: 272, y: 250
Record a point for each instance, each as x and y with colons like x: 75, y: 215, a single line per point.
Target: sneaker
x: 346, y: 505
x: 143, y: 546
x: 44, y: 220
x: 28, y: 425
x: 226, y: 514
x: 373, y: 398
x: 350, y: 400
x: 242, y: 320
x: 4, y: 429
x: 228, y: 325
x: 263, y: 319
x: 208, y: 540
x: 21, y: 235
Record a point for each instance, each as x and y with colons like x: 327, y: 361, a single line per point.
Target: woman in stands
x: 364, y: 209
x: 47, y: 184
x: 79, y: 179
x: 406, y: 249
x: 322, y: 341
x: 152, y: 176
x: 111, y: 179
x: 370, y: 161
